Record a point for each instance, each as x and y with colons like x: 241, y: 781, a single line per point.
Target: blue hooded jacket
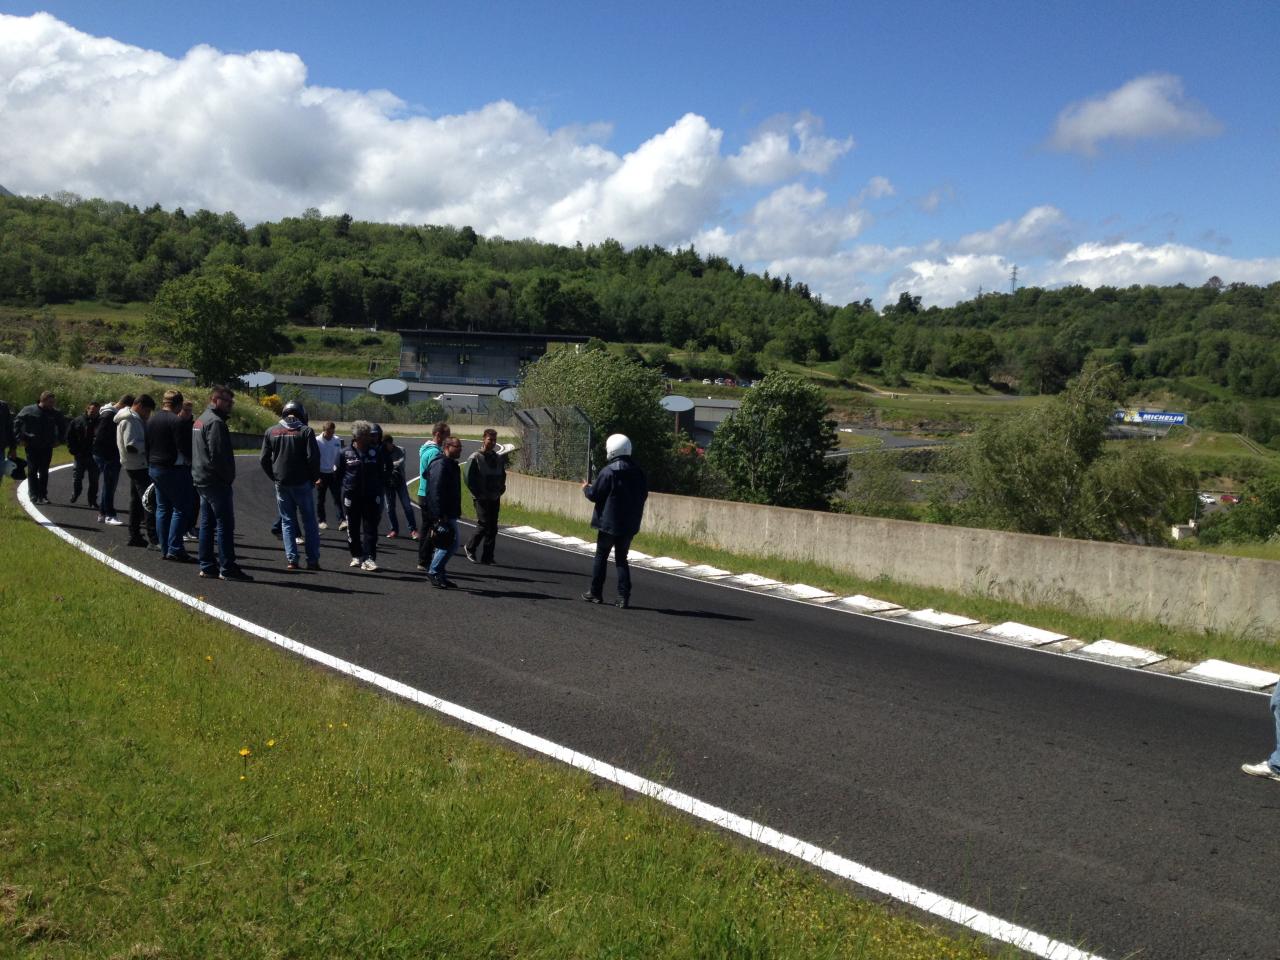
x: 619, y: 493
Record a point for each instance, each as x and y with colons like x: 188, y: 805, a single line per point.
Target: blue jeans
x: 399, y: 491
x: 173, y: 504
x: 1275, y: 713
x: 110, y: 470
x: 298, y: 504
x: 440, y: 559
x: 217, y: 519
x: 606, y: 542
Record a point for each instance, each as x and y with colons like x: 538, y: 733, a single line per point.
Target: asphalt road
x: 1096, y: 805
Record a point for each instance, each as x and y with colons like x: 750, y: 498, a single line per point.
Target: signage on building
x: 1151, y: 418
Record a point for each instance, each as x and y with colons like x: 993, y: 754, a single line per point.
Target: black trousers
x: 362, y: 527
x: 619, y: 545
x: 38, y: 458
x: 331, y: 486
x: 82, y: 467
x: 486, y: 534
x: 139, y: 480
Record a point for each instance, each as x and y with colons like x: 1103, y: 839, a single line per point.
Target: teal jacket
x: 430, y: 450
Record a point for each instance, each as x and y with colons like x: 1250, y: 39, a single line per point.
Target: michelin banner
x: 1151, y: 418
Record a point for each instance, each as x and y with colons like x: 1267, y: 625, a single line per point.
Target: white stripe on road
x: 918, y: 897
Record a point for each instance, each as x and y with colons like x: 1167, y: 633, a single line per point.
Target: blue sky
x: 865, y: 149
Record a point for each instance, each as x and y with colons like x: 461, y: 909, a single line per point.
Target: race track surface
x: 1096, y: 805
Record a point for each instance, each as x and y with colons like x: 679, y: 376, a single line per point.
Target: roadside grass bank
x: 1257, y: 651
x: 173, y: 788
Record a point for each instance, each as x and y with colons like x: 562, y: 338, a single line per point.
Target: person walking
x: 80, y: 433
x: 619, y: 493
x: 106, y: 457
x: 131, y: 442
x: 170, y: 472
x: 40, y: 427
x: 398, y: 491
x: 364, y: 471
x: 291, y: 458
x: 1270, y: 768
x: 330, y: 446
x: 486, y: 478
x: 429, y: 451
x: 444, y: 507
x: 213, y: 470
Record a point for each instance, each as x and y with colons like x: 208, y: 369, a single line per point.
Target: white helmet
x: 618, y: 445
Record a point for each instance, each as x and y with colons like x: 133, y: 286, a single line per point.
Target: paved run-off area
x: 1086, y: 802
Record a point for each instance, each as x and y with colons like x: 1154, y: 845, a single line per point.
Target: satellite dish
x: 508, y: 394
x: 389, y: 387
x: 676, y: 404
x: 262, y: 380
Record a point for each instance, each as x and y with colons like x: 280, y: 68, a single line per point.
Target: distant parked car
x: 1230, y: 499
x: 707, y: 381
x: 1208, y: 498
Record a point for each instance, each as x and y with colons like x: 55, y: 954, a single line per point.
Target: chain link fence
x: 554, y: 442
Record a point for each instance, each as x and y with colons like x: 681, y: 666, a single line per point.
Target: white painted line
x: 935, y: 618
x: 666, y: 563
x: 1219, y: 671
x: 751, y: 580
x: 1120, y: 653
x: 545, y: 535
x: 865, y: 604
x: 802, y: 591
x: 950, y: 910
x: 705, y: 571
x: 576, y: 542
x: 523, y: 531
x: 637, y: 556
x: 1025, y: 635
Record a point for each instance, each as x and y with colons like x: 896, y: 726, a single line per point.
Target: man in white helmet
x: 619, y: 493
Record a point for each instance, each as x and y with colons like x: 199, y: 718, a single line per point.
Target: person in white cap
x: 619, y: 493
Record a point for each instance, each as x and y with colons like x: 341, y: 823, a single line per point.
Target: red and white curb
x: 945, y: 908
x: 1217, y: 672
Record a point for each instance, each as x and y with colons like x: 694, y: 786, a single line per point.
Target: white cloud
x: 1041, y: 230
x: 877, y: 188
x: 936, y: 197
x: 248, y: 133
x: 955, y: 277
x: 1123, y: 264
x: 792, y: 221
x: 1148, y: 107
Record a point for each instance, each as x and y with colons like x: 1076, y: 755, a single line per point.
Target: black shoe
x: 622, y: 603
x: 448, y: 584
x: 235, y: 573
x: 313, y: 564
x: 591, y: 597
x: 138, y: 542
x: 182, y: 557
x: 488, y: 562
x: 436, y: 581
x: 466, y: 549
x: 75, y: 496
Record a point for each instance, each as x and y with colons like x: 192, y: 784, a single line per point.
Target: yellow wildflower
x: 245, y: 751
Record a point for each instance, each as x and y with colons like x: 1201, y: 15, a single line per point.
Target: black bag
x: 19, y: 469
x: 442, y: 535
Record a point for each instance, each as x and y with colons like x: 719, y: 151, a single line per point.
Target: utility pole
x: 1013, y: 279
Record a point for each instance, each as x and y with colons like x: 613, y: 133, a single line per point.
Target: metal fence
x: 554, y: 442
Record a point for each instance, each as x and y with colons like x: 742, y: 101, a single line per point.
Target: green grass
x: 1260, y: 651
x: 357, y: 826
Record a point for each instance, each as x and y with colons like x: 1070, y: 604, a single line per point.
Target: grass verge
x: 173, y: 788
x: 1183, y: 644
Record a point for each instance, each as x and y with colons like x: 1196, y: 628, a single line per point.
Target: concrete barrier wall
x: 1187, y: 589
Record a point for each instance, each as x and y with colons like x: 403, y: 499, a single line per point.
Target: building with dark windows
x: 467, y: 357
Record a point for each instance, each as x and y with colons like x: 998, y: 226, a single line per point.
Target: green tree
x: 1255, y: 518
x: 1048, y: 471
x: 46, y: 340
x: 617, y: 395
x: 74, y: 353
x: 774, y: 448
x: 220, y: 323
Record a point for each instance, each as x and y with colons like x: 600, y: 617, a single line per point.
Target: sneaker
x: 591, y: 597
x: 190, y: 537
x: 369, y: 565
x: 323, y: 525
x: 99, y: 518
x: 423, y: 567
x: 436, y: 581
x: 235, y: 573
x: 183, y: 557
x: 355, y: 562
x: 1262, y: 769
x: 413, y: 534
x: 392, y: 535
x: 113, y: 522
x: 291, y: 565
x: 208, y: 574
x: 313, y: 564
x: 470, y: 554
x: 342, y: 525
x: 623, y: 603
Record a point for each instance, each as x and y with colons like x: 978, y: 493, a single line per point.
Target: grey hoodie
x: 131, y: 439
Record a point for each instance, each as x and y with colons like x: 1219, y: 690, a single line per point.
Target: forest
x: 1208, y: 343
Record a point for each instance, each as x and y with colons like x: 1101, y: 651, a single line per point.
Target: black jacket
x: 38, y: 427
x: 104, y: 436
x: 444, y: 489
x: 486, y: 475
x: 163, y: 444
x: 213, y: 461
x: 290, y: 455
x: 619, y: 494
x: 396, y: 456
x: 80, y: 436
x: 7, y: 438
x: 364, y: 475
